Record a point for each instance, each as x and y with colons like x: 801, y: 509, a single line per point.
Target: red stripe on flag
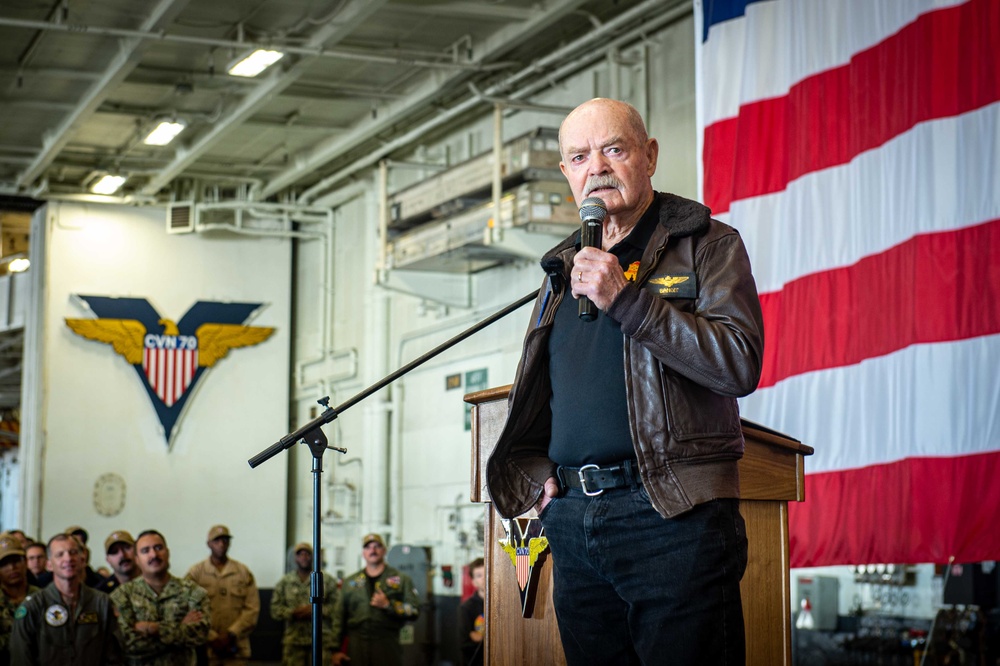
x: 941, y: 65
x: 932, y: 288
x: 907, y: 512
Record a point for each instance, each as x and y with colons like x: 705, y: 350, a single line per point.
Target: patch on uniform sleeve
x: 20, y: 612
x: 676, y: 285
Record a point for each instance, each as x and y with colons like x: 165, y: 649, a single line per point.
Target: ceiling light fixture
x: 164, y: 132
x: 18, y: 265
x: 255, y: 63
x: 107, y: 184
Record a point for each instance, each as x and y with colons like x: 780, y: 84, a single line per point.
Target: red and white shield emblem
x: 169, y: 362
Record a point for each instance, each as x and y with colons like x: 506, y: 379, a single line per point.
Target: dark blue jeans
x: 631, y: 587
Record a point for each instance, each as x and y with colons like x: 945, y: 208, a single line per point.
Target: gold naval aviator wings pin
x: 670, y: 280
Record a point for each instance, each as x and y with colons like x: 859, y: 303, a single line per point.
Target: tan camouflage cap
x: 76, y: 530
x: 368, y: 538
x: 118, y: 536
x: 302, y: 545
x: 10, y: 546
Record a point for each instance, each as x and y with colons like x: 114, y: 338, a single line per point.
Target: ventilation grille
x: 181, y: 217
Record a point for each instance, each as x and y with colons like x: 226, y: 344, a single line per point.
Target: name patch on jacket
x: 676, y: 285
x: 87, y: 618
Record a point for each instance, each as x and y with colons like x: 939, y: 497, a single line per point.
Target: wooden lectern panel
x: 771, y: 475
x: 513, y: 640
x: 764, y: 589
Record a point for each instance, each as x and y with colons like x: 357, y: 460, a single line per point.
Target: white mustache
x: 604, y: 180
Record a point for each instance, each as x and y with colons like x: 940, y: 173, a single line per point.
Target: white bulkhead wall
x: 87, y: 413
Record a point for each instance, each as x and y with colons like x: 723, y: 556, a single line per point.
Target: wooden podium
x: 771, y: 475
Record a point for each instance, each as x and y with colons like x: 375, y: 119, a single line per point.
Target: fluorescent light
x: 164, y: 133
x: 108, y: 184
x: 256, y: 62
x: 18, y: 265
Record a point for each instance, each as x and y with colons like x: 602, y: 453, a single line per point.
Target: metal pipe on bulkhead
x: 378, y: 445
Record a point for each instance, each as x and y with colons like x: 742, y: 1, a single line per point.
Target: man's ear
x: 652, y: 152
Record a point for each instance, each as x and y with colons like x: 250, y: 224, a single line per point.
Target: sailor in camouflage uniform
x: 374, y: 605
x: 162, y: 618
x: 291, y: 603
x: 119, y: 549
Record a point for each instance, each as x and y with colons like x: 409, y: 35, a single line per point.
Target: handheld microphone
x: 592, y: 213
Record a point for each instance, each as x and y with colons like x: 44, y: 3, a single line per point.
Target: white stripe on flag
x: 927, y: 400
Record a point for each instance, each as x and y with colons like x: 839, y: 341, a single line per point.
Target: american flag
x: 855, y: 146
x: 523, y: 566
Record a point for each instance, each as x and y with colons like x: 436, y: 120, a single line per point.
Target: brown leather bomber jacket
x: 686, y: 361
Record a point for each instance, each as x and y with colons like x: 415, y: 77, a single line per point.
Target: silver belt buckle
x: 583, y: 481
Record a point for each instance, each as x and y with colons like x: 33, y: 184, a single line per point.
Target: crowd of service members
x: 55, y: 609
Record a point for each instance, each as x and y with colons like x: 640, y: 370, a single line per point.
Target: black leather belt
x: 594, y: 480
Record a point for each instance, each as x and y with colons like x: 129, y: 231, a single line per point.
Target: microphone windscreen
x: 552, y: 265
x: 593, y: 208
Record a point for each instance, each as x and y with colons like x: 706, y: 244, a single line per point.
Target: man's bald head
x: 628, y: 114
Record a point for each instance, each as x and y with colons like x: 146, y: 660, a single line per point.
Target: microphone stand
x: 312, y: 434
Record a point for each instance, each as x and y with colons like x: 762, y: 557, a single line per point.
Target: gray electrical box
x: 822, y: 592
x: 417, y: 638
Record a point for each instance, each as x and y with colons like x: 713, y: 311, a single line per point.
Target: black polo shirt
x: 587, y: 370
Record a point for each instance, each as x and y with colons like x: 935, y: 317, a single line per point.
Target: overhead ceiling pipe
x: 407, y: 58
x: 575, y: 52
x: 425, y: 96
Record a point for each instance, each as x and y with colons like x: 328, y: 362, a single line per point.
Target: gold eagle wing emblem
x: 125, y: 335
x: 215, y: 340
x: 670, y: 280
x: 536, y: 547
x: 511, y: 551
